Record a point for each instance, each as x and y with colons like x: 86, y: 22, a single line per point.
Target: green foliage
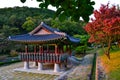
x: 22, y: 1
x: 83, y: 46
x: 68, y: 26
x: 7, y: 31
x: 13, y: 53
x: 81, y: 49
x: 29, y: 24
x: 114, y: 75
x: 15, y: 17
x: 83, y: 38
x: 73, y: 9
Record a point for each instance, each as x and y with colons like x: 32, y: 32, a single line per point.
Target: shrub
x: 13, y: 53
x: 81, y: 49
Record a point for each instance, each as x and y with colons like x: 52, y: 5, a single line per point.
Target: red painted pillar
x: 56, y: 52
x: 56, y: 49
x: 26, y: 61
x: 35, y: 51
x: 56, y: 65
x: 26, y: 49
x: 40, y: 49
x: 26, y: 52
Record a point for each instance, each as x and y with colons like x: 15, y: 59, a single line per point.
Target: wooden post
x: 35, y: 63
x: 40, y: 49
x: 35, y: 49
x: 56, y: 49
x: 26, y: 62
x: 26, y: 49
x: 26, y: 52
x: 47, y: 48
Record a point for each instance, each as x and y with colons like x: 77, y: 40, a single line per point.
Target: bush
x: 81, y: 49
x: 13, y: 53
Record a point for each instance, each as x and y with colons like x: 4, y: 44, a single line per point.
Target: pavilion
x: 50, y: 45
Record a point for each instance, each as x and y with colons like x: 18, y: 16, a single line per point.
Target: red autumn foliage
x: 105, y: 28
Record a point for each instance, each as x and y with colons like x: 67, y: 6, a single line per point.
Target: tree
x: 83, y: 43
x: 68, y: 26
x: 29, y: 24
x: 7, y: 31
x: 105, y: 28
x: 73, y: 9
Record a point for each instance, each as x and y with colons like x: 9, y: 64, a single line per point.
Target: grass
x: 112, y: 66
x: 10, y: 62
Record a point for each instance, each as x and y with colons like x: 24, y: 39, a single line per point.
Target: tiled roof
x: 55, y: 35
x: 42, y: 38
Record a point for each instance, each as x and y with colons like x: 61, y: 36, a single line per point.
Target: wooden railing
x: 46, y: 57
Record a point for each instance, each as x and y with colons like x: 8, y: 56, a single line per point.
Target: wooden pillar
x: 56, y: 49
x: 26, y: 63
x: 35, y: 63
x: 35, y: 49
x: 26, y: 49
x: 26, y: 52
x: 47, y: 48
x: 40, y: 49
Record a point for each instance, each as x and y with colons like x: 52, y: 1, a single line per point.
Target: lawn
x: 112, y: 66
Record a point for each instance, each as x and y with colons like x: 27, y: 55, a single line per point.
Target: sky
x: 34, y: 3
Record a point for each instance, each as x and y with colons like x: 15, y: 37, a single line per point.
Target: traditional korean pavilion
x: 48, y: 44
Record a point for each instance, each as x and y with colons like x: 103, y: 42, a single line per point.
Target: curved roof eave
x: 72, y: 39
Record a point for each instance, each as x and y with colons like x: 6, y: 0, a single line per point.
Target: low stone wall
x: 100, y: 73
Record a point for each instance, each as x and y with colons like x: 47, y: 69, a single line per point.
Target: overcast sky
x: 34, y: 3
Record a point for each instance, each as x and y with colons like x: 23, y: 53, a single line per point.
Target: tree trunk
x: 108, y: 49
x: 108, y: 52
x: 103, y: 47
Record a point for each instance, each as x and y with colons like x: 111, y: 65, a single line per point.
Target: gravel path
x: 7, y: 73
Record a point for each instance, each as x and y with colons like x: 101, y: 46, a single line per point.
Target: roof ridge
x: 34, y: 30
x: 48, y: 27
